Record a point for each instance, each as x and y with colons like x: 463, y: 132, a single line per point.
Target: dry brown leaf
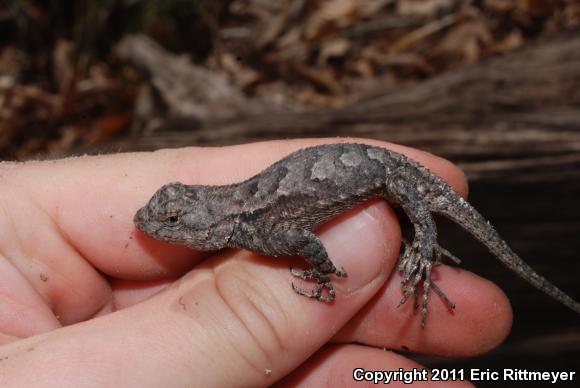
x: 323, y: 78
x: 501, y: 6
x: 333, y: 48
x: 290, y: 38
x: 290, y: 48
x: 363, y: 68
x: 106, y: 127
x: 408, y: 62
x: 69, y: 135
x: 310, y: 96
x: 464, y: 41
x: 278, y: 93
x: 332, y: 16
x: 272, y: 29
x: 370, y: 8
x: 423, y: 8
x: 64, y: 67
x: 414, y: 37
x: 242, y: 76
x: 510, y: 42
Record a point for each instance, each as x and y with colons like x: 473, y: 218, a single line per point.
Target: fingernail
x: 361, y: 242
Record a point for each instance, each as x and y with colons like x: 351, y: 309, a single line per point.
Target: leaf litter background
x: 63, y: 84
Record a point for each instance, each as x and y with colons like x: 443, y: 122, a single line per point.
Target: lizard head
x: 187, y: 215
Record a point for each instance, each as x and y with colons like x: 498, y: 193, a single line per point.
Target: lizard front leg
x: 285, y: 240
x: 311, y: 249
x: 417, y: 260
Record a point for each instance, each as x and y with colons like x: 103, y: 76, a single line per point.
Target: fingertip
x: 365, y: 242
x: 480, y: 322
x: 486, y: 317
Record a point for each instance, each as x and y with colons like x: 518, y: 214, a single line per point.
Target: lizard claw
x: 441, y: 252
x: 305, y: 274
x: 341, y: 273
x: 322, y: 282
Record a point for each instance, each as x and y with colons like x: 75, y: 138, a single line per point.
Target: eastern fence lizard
x: 276, y: 211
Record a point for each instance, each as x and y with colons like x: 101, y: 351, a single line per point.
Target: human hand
x: 71, y: 257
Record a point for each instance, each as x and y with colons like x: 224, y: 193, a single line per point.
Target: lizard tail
x: 461, y: 212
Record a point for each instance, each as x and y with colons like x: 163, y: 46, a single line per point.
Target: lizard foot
x: 322, y: 282
x: 306, y: 274
x: 416, y: 270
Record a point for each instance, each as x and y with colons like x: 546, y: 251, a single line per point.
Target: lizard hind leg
x: 419, y: 256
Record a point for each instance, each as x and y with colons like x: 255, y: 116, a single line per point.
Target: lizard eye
x: 173, y: 219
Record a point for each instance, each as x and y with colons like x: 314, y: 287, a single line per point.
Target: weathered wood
x: 188, y: 90
x: 515, y: 117
x: 525, y: 104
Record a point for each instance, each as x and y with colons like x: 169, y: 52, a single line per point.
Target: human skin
x: 87, y: 300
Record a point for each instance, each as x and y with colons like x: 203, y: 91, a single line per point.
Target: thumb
x: 234, y: 320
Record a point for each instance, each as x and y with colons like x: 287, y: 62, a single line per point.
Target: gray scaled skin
x: 276, y: 211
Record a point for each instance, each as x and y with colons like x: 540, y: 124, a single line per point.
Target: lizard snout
x: 141, y: 218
